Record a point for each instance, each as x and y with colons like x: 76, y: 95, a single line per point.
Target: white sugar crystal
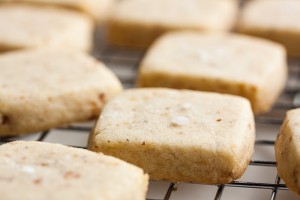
x: 180, y: 121
x: 28, y: 169
x: 186, y: 106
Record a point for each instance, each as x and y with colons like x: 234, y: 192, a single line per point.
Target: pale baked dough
x: 36, y: 171
x: 99, y: 9
x: 226, y: 63
x: 178, y: 135
x: 45, y: 88
x: 277, y: 20
x: 287, y: 150
x: 25, y: 26
x: 136, y: 23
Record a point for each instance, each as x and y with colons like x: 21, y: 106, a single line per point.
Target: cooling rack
x: 125, y: 63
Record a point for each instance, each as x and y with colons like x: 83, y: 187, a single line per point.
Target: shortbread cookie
x: 137, y: 23
x: 52, y: 171
x: 24, y: 26
x: 287, y: 150
x: 99, y: 9
x: 226, y: 63
x: 178, y: 135
x: 42, y: 89
x: 275, y: 20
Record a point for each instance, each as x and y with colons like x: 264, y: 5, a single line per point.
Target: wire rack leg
x: 219, y: 192
x: 42, y: 136
x: 275, y: 189
x: 172, y: 188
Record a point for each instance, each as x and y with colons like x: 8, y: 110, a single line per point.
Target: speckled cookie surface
x: 99, y: 9
x: 35, y: 171
x: 287, y: 150
x: 225, y: 63
x: 178, y: 135
x: 277, y: 20
x: 45, y: 88
x: 25, y: 26
x: 136, y: 23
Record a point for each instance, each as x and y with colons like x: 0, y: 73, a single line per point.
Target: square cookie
x: 178, y: 135
x: 43, y: 171
x: 287, y: 151
x: 136, y: 23
x: 225, y: 63
x: 99, y: 9
x: 26, y: 26
x: 277, y: 20
x: 46, y: 88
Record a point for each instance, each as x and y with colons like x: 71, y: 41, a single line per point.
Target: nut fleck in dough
x: 277, y: 20
x: 45, y: 88
x: 287, y: 150
x: 227, y: 63
x: 36, y: 171
x: 137, y: 23
x: 25, y: 26
x: 178, y: 135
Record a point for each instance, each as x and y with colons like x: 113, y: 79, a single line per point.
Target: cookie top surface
x: 229, y: 57
x: 53, y: 171
x: 49, y: 72
x: 275, y: 15
x: 176, y: 13
x: 32, y: 26
x: 90, y: 6
x: 178, y: 118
